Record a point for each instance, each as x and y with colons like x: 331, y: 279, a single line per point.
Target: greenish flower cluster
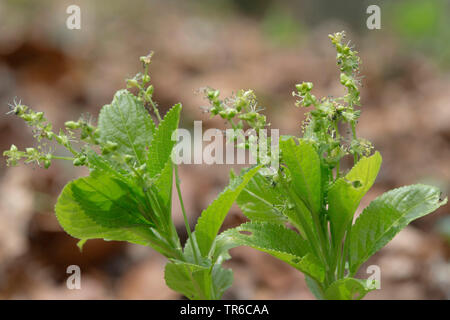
x: 141, y: 81
x: 239, y: 110
x: 242, y: 111
x: 78, y: 137
x: 43, y: 133
x: 325, y: 120
x: 299, y: 212
x: 315, y: 198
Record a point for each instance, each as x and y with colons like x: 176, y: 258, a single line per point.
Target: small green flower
x: 13, y: 155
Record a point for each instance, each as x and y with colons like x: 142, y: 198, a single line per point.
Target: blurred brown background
x: 264, y: 45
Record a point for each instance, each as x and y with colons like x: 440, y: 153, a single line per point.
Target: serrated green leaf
x: 346, y: 193
x: 211, y: 219
x: 186, y: 278
x: 99, y: 163
x: 103, y: 164
x: 163, y: 188
x: 217, y: 278
x: 314, y: 287
x: 126, y: 122
x: 191, y: 256
x: 102, y: 207
x: 386, y: 216
x: 261, y: 201
x: 277, y: 240
x: 80, y: 244
x: 162, y: 144
x: 347, y: 289
x: 222, y: 280
x: 270, y: 236
x: 109, y: 201
x: 312, y: 266
x: 303, y: 163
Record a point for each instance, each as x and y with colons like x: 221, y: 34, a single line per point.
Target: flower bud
x: 213, y: 94
x: 146, y: 59
x: 249, y: 116
x: 132, y: 83
x: 214, y: 111
x: 149, y: 90
x: 344, y: 78
x: 304, y: 87
x: 77, y: 162
x: 240, y: 104
x: 111, y: 145
x: 19, y: 109
x: 27, y: 117
x: 80, y: 161
x: 72, y: 125
x: 231, y: 112
x: 223, y: 114
x: 39, y: 115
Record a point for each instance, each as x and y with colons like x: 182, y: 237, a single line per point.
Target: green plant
x: 311, y: 193
x: 128, y: 193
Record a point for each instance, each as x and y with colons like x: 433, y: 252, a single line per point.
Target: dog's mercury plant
x: 311, y: 194
x: 127, y: 195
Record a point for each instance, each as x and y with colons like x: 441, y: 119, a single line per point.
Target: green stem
x: 324, y: 246
x: 63, y: 158
x: 337, y: 259
x: 155, y: 110
x: 338, y: 137
x: 353, y: 125
x: 345, y: 252
x: 186, y: 222
x: 172, y: 231
x: 71, y: 149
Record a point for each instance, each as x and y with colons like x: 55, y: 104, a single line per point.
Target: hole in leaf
x: 247, y: 233
x: 356, y: 184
